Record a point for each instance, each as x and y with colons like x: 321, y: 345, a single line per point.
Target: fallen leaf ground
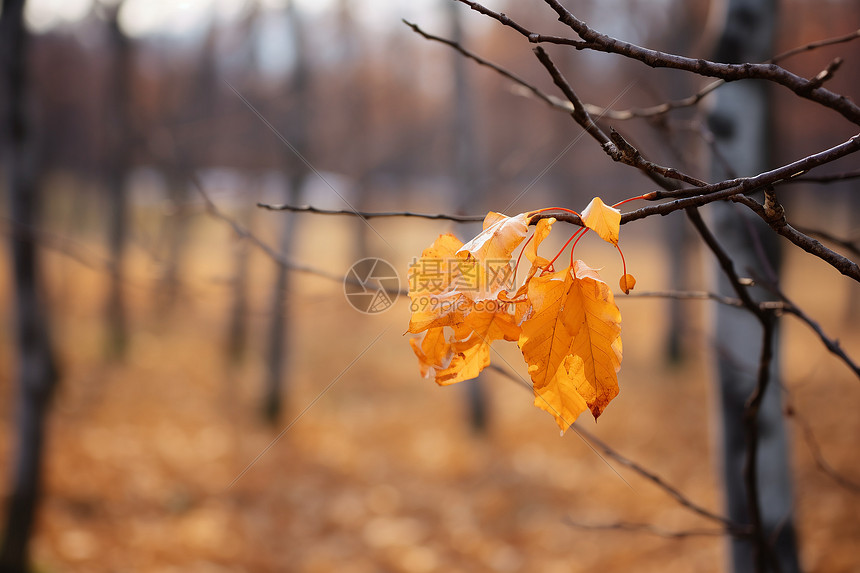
x: 383, y: 473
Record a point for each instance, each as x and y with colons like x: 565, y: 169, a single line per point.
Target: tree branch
x: 730, y: 527
x: 804, y: 88
x: 815, y: 45
x: 778, y: 223
x: 818, y: 455
x: 644, y: 528
x: 371, y: 214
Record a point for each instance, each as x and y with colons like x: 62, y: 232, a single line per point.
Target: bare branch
x: 672, y: 491
x: 644, y: 528
x: 244, y: 233
x: 847, y: 244
x: 530, y: 88
x: 815, y: 45
x: 762, y: 549
x: 730, y: 72
x: 818, y: 455
x: 725, y: 262
x: 778, y: 223
x: 826, y: 178
x: 688, y: 295
x: 831, y: 344
x: 371, y: 214
x: 615, y: 146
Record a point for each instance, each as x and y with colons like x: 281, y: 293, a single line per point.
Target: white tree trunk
x: 740, y: 121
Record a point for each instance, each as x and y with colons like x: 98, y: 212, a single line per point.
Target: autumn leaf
x: 471, y: 344
x: 466, y: 351
x: 455, y: 285
x: 627, y: 283
x: 572, y: 343
x: 603, y: 219
x: 565, y: 322
x: 500, y: 236
x: 436, y: 301
x: 432, y: 351
x: 542, y: 230
x: 598, y: 343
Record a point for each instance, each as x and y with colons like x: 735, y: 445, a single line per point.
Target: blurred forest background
x: 184, y: 349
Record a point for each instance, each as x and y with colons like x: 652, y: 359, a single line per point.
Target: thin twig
x: 644, y: 528
x: 762, y: 550
x: 287, y: 263
x: 815, y: 45
x: 818, y: 455
x: 371, y: 214
x: 778, y: 223
x: 846, y: 244
x: 531, y: 88
x: 725, y: 262
x: 688, y: 295
x: 802, y: 87
x: 835, y: 178
x: 672, y: 491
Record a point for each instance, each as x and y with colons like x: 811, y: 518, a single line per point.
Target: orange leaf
x: 542, y: 230
x: 432, y: 351
x: 603, y: 219
x: 471, y: 344
x: 436, y: 301
x: 572, y: 343
x: 501, y: 235
x: 627, y: 283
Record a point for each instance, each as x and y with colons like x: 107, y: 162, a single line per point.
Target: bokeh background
x: 185, y: 349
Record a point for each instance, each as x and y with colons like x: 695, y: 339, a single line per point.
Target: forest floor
x: 161, y: 463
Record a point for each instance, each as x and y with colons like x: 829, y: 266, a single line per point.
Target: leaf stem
x: 523, y: 250
x: 549, y: 266
x: 624, y: 265
x: 631, y: 199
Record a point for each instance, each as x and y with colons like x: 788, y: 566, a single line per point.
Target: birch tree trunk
x: 278, y: 343
x: 467, y: 176
x: 36, y: 374
x: 116, y: 171
x: 740, y: 121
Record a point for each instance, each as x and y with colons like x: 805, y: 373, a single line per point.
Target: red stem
x: 628, y: 200
x: 578, y: 231
x: 516, y: 266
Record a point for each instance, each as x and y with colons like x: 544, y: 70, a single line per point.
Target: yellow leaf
x: 571, y: 342
x: 501, y: 235
x: 627, y: 283
x: 431, y: 351
x: 542, y: 229
x: 468, y: 346
x: 603, y: 219
x: 598, y: 342
x: 435, y: 300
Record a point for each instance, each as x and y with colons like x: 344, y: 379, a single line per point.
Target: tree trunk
x: 116, y: 171
x: 278, y: 339
x: 740, y: 121
x: 237, y: 329
x: 36, y: 369
x: 467, y: 179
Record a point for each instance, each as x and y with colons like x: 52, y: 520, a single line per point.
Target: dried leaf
x: 569, y: 342
x: 432, y: 351
x: 542, y: 230
x: 603, y: 219
x: 627, y: 283
x: 436, y: 300
x: 566, y: 322
x: 501, y: 235
x: 471, y: 344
